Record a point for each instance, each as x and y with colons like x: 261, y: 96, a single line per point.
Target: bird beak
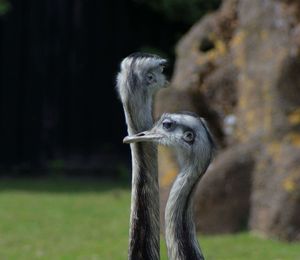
x: 147, y: 136
x: 163, y: 64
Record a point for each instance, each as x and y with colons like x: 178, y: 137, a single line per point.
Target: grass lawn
x: 73, y: 219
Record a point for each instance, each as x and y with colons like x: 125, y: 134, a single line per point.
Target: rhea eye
x: 189, y: 136
x: 168, y: 125
x: 150, y: 78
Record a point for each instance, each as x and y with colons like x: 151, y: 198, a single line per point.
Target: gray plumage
x: 141, y: 75
x: 189, y: 136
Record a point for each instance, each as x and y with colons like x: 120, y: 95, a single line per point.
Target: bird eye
x: 150, y: 78
x: 189, y: 136
x: 168, y: 125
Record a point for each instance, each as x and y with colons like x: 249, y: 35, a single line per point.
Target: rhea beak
x: 163, y: 64
x: 147, y: 136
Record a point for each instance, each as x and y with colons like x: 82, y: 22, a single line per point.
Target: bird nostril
x: 140, y: 134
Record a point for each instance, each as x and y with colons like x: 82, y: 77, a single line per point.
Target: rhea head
x: 140, y: 76
x: 187, y: 133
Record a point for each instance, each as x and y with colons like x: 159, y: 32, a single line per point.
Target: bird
x: 140, y: 77
x: 194, y: 146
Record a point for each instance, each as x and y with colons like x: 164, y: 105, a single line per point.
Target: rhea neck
x: 181, y: 236
x: 138, y: 112
x: 144, y: 219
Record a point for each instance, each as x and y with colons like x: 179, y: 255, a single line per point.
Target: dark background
x: 58, y: 62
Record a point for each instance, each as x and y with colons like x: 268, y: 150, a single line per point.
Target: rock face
x: 268, y: 58
x: 239, y: 68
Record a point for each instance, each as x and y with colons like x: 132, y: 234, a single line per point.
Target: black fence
x: 58, y: 60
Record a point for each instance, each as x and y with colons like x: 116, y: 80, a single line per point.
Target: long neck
x: 138, y: 114
x: 181, y: 236
x: 144, y: 219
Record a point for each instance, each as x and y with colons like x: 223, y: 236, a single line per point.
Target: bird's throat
x: 181, y: 236
x: 144, y: 218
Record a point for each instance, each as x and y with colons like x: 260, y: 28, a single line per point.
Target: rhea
x: 193, y: 144
x: 140, y: 76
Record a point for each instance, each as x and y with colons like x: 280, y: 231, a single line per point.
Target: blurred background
x: 59, y: 61
x: 65, y: 174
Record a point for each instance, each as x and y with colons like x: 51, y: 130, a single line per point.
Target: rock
x: 239, y: 68
x: 268, y: 60
x: 222, y: 201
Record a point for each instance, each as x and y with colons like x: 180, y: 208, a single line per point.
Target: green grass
x: 69, y: 219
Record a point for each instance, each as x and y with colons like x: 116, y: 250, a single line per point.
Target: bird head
x: 187, y: 133
x: 141, y: 75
